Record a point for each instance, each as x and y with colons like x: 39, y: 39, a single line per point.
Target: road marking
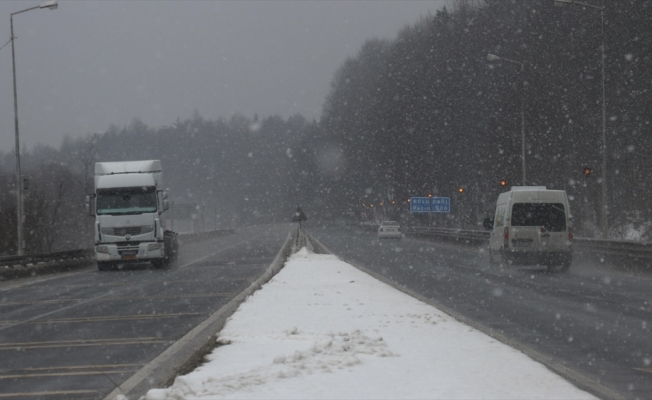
x: 212, y: 254
x: 92, y: 284
x: 41, y: 394
x: 82, y: 367
x: 80, y: 343
x: 222, y: 261
x: 234, y: 264
x: 62, y: 374
x: 180, y: 296
x: 29, y: 303
x: 211, y: 280
x: 11, y: 284
x: 124, y: 287
x: 136, y: 317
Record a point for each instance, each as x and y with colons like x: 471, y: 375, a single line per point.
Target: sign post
x: 299, y: 216
x: 430, y: 205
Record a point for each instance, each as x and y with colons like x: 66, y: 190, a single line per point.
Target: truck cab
x: 128, y: 205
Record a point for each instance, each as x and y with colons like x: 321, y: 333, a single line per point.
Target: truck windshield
x: 548, y: 215
x: 132, y: 200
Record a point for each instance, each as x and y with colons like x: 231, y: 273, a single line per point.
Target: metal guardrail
x: 601, y: 247
x: 35, y: 259
x: 615, y: 248
x: 16, y: 266
x: 451, y: 235
x: 33, y: 264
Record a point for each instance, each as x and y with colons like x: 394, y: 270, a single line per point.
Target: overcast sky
x: 90, y: 64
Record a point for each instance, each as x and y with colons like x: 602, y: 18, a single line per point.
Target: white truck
x: 128, y: 204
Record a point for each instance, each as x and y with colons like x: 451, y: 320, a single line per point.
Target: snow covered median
x: 322, y: 329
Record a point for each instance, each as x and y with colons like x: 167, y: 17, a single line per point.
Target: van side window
x: 551, y: 216
x: 499, y: 219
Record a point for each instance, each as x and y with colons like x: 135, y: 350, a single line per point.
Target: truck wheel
x: 104, y: 266
x: 158, y: 264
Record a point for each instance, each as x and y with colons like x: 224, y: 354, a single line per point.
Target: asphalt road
x: 78, y: 335
x: 590, y: 319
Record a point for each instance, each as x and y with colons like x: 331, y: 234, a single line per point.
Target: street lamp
x: 493, y: 57
x: 605, y: 225
x: 52, y: 5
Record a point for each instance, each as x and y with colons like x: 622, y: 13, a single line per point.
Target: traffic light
x: 460, y: 189
x: 503, y: 183
x: 587, y: 171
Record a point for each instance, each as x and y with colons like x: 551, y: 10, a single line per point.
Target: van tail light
x: 543, y: 229
x: 506, y: 237
x: 570, y: 234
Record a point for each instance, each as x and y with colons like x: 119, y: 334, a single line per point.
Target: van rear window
x: 551, y: 216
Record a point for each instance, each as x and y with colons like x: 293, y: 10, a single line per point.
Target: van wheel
x: 493, y: 261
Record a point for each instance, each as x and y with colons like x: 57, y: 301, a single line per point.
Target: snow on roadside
x: 323, y: 329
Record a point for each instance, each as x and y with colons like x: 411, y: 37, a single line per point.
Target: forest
x: 424, y: 113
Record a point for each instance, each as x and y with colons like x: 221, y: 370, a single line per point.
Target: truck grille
x: 132, y: 230
x: 127, y: 249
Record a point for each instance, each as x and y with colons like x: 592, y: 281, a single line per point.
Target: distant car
x: 390, y: 230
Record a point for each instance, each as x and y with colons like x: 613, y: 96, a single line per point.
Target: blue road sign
x: 430, y: 205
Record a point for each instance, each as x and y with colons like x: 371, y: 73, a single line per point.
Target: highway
x: 78, y: 335
x: 592, y: 320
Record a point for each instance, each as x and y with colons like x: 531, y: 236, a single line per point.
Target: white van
x: 532, y: 226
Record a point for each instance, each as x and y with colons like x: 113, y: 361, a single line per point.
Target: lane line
x: 161, y: 369
x: 64, y: 374
x: 124, y: 288
x: 180, y: 296
x: 28, y: 303
x: 95, y: 285
x: 53, y: 393
x: 11, y: 284
x: 80, y: 367
x: 222, y: 249
x: 144, y: 317
x: 84, y: 345
x: 18, y: 344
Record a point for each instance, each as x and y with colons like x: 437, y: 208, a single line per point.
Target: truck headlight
x: 102, y: 249
x: 154, y: 246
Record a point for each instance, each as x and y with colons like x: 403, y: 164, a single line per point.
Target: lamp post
x: 52, y: 5
x: 605, y: 225
x: 493, y: 57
